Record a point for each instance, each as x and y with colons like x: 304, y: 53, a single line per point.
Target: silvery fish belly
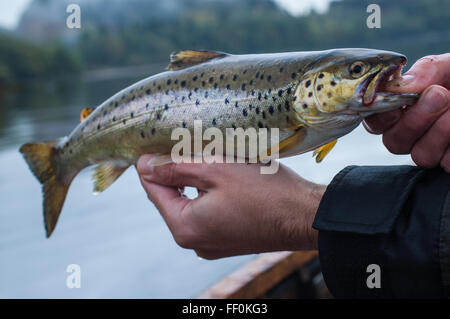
x: 312, y: 98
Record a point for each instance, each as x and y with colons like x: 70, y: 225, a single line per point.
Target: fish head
x: 349, y: 83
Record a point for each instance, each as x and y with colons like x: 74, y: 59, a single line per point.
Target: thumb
x: 429, y: 70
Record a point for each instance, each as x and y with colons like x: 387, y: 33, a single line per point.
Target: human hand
x: 424, y: 128
x: 237, y: 211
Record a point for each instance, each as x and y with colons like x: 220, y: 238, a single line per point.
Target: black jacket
x: 392, y: 222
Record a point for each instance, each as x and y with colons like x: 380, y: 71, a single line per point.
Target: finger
x: 416, y: 120
x: 429, y: 70
x: 378, y: 123
x: 430, y: 148
x: 183, y: 174
x: 445, y: 161
x: 167, y: 199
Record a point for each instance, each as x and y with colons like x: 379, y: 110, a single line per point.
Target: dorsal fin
x: 85, y: 113
x: 186, y: 58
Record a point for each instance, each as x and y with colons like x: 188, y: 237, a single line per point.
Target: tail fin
x: 43, y: 162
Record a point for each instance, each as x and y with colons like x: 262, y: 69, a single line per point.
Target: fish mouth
x: 370, y: 87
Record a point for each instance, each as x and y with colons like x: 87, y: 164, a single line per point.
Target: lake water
x: 118, y: 238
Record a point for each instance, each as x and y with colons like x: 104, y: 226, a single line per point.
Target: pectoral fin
x: 322, y: 151
x: 85, y: 113
x: 105, y: 174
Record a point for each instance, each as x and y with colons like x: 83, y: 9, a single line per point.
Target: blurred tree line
x: 132, y: 37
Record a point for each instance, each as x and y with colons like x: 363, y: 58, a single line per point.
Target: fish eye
x: 357, y: 69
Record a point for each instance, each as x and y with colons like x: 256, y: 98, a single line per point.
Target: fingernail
x: 144, y: 166
x: 434, y: 101
x: 404, y: 80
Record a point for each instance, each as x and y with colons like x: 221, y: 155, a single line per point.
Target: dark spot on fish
x: 253, y: 92
x: 245, y: 71
x: 233, y: 126
x: 196, y: 90
x: 280, y: 93
x: 243, y: 87
x: 257, y: 110
x: 227, y: 100
x: 211, y: 80
x: 176, y: 81
x: 289, y: 91
x: 189, y: 95
x: 158, y: 116
x: 184, y: 124
x: 228, y: 86
x: 308, y: 83
x: 114, y: 119
x: 166, y: 106
x: 305, y: 106
x: 142, y: 134
x: 266, y: 96
x: 260, y: 125
x: 235, y: 77
x: 274, y: 98
x: 279, y: 108
x: 320, y: 75
x: 270, y: 91
x: 295, y: 98
x: 293, y: 75
x: 167, y: 92
x: 333, y: 83
x: 104, y: 113
x: 251, y: 82
x: 215, y: 85
x: 222, y: 76
x: 319, y: 87
x: 183, y: 83
x: 214, y: 122
x: 324, y: 103
x: 159, y: 87
x: 148, y: 91
x: 194, y: 78
x: 201, y: 75
x: 183, y: 98
x: 244, y: 112
x: 124, y: 121
x: 110, y: 103
x: 250, y: 106
x: 98, y: 126
x: 169, y: 81
x: 264, y: 114
x: 236, y: 104
x: 123, y: 97
x: 132, y: 114
x: 203, y: 83
x: 310, y: 94
x: 269, y: 78
x: 116, y: 104
x: 329, y: 94
x: 153, y: 131
x: 197, y: 102
x: 206, y: 94
x: 259, y: 96
x: 281, y: 70
x: 257, y: 75
x: 262, y: 77
x: 271, y: 110
x: 287, y: 106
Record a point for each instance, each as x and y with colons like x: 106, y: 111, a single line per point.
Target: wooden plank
x: 259, y: 275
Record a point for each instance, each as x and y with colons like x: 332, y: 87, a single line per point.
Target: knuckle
x: 422, y: 158
x: 167, y: 173
x: 207, y: 255
x: 394, y: 146
x: 184, y: 241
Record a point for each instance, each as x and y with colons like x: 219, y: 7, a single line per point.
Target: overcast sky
x: 10, y: 11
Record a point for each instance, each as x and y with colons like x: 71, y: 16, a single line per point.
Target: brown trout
x: 311, y: 97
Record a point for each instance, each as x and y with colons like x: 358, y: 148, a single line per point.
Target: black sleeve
x: 394, y: 217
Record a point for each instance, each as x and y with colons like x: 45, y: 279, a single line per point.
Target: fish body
x: 311, y: 97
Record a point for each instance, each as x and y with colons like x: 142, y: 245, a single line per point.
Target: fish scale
x: 311, y: 97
